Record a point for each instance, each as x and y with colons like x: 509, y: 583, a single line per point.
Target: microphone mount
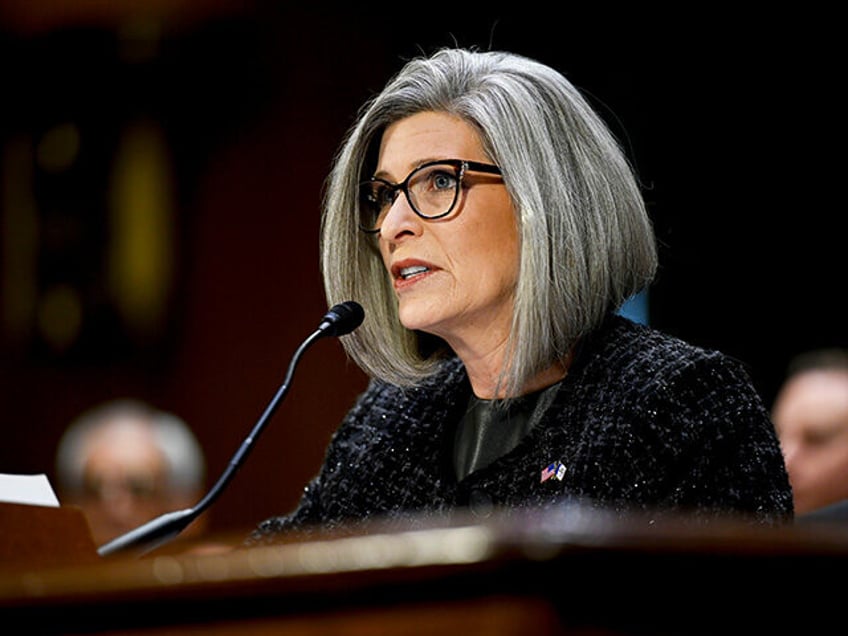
x: 341, y: 319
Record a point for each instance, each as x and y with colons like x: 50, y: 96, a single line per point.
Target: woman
x: 491, y: 227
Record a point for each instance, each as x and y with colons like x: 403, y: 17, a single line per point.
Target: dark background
x: 731, y: 122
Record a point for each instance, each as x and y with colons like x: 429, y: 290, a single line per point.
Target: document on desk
x: 34, y: 490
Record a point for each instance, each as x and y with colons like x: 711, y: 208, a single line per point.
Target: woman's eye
x: 442, y: 180
x: 385, y: 197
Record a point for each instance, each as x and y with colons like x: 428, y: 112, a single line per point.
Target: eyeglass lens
x: 431, y: 190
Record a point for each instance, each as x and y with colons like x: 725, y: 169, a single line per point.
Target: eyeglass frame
x: 463, y: 165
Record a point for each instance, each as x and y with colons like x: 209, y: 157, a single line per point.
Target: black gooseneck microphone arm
x: 341, y: 319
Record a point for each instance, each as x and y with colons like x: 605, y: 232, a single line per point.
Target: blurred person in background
x: 810, y: 414
x: 124, y: 463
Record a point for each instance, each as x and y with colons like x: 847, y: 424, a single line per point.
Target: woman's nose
x: 400, y: 220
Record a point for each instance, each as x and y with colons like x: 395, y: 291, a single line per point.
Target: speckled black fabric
x: 642, y: 422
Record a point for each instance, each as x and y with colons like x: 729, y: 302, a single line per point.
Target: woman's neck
x: 485, y: 380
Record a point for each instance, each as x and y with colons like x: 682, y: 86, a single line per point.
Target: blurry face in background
x: 126, y: 482
x: 810, y: 415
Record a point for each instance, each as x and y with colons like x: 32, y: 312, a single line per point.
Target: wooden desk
x: 568, y: 572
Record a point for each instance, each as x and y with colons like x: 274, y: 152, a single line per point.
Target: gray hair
x: 184, y: 456
x: 587, y: 241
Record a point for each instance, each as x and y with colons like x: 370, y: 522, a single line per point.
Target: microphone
x: 340, y: 320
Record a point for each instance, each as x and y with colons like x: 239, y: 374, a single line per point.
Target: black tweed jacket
x: 642, y: 422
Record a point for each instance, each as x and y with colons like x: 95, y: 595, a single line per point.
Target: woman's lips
x: 409, y: 272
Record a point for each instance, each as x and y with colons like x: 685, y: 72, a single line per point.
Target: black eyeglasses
x: 431, y: 189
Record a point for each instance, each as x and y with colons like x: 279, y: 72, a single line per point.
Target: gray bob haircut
x: 587, y: 241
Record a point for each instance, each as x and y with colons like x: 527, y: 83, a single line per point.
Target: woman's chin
x: 416, y: 318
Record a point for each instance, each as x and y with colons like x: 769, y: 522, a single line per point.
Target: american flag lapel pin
x: 556, y: 469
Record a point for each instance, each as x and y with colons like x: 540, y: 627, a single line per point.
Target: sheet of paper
x: 27, y: 489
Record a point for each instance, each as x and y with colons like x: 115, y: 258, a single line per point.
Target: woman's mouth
x: 415, y: 270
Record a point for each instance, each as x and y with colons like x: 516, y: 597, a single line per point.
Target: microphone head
x: 342, y: 318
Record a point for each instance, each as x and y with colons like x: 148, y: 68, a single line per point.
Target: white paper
x: 27, y: 489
